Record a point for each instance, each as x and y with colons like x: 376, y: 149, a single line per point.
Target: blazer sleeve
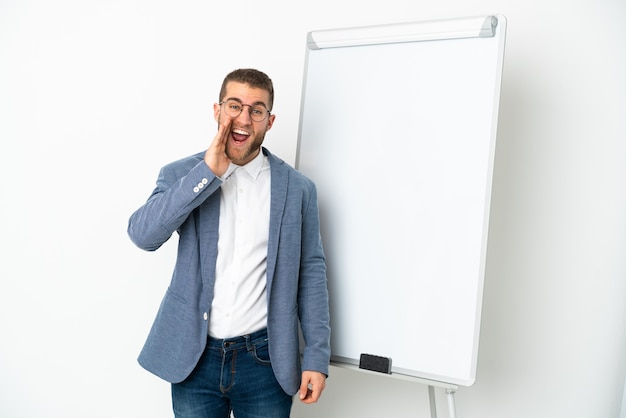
x: 181, y: 187
x: 313, y: 292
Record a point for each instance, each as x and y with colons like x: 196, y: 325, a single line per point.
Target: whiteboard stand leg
x: 451, y: 405
x: 433, y: 404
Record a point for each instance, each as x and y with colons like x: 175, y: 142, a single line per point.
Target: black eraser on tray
x: 375, y: 363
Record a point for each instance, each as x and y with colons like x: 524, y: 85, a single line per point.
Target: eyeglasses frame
x: 250, y: 110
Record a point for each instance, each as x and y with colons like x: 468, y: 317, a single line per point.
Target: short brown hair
x: 254, y: 78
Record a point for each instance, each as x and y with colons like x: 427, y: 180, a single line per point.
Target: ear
x: 216, y: 112
x: 270, y: 121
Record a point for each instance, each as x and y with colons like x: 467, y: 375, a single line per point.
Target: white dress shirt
x: 239, y: 303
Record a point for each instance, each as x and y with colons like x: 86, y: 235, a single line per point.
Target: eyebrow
x: 239, y: 100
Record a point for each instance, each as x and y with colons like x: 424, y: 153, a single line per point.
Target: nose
x: 245, y: 113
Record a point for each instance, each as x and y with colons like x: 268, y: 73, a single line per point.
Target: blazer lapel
x: 279, y: 185
x: 207, y: 230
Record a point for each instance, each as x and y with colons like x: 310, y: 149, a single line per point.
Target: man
x: 250, y: 271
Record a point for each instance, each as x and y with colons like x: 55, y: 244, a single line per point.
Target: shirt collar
x: 253, y: 168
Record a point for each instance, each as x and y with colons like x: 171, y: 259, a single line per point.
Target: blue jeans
x: 235, y: 375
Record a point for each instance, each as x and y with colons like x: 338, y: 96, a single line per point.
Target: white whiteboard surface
x: 399, y: 137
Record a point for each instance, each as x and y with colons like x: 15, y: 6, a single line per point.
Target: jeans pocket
x: 260, y: 352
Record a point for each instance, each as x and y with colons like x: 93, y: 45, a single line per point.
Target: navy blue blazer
x: 187, y: 200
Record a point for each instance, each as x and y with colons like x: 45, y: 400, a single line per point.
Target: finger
x: 304, y: 390
x: 224, y: 129
x: 311, y: 388
x: 312, y: 396
x: 215, y: 156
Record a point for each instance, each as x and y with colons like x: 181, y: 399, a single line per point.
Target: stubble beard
x: 243, y: 155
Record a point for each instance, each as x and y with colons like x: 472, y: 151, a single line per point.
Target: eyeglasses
x: 233, y: 108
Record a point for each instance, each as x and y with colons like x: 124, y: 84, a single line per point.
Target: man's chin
x: 239, y: 156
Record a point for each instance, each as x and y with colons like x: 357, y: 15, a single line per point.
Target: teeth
x: 240, y: 132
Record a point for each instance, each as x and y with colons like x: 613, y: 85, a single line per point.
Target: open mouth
x: 239, y: 136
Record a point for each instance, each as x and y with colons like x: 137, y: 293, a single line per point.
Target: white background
x: 96, y: 95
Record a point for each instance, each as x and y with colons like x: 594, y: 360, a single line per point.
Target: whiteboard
x: 397, y: 130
